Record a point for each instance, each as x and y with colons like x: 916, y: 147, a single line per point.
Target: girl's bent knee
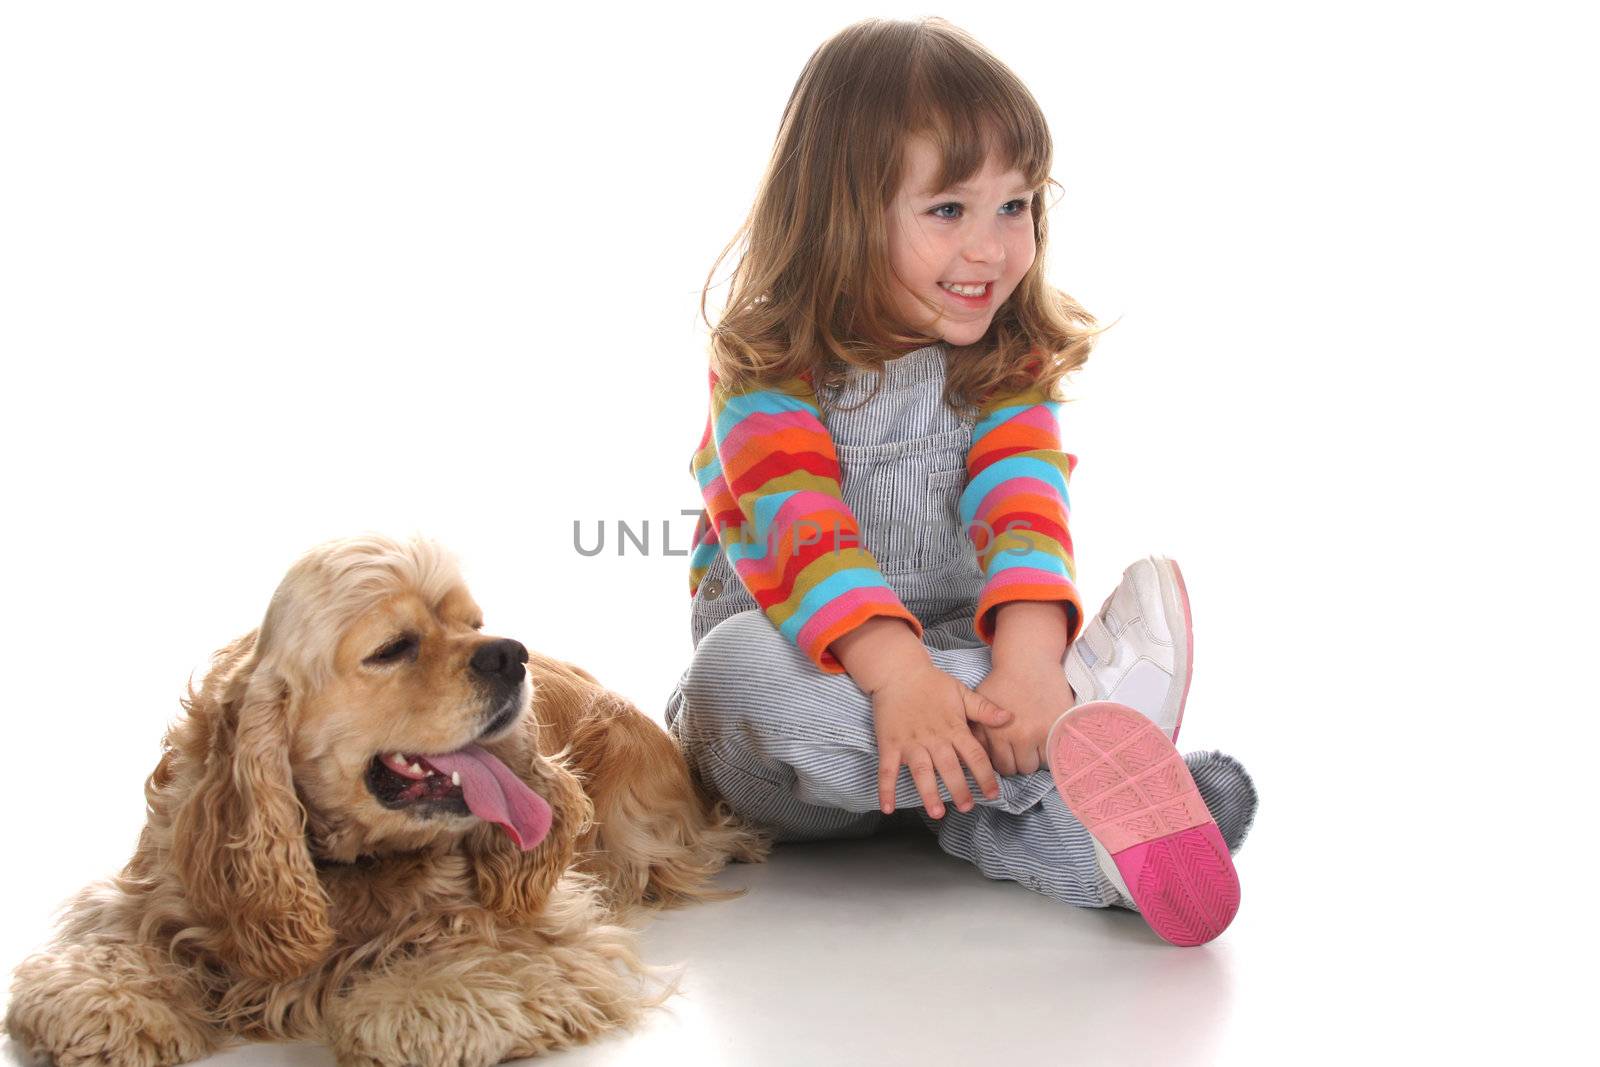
x: 734, y: 666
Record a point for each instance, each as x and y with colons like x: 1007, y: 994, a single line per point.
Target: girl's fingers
x: 921, y: 767
x: 999, y: 752
x: 1027, y: 759
x: 977, y: 760
x: 996, y: 751
x: 955, y: 780
x: 888, y: 772
x: 980, y: 708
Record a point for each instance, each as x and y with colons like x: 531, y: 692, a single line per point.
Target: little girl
x: 884, y: 612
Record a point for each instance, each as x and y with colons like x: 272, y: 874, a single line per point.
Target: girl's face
x: 977, y: 237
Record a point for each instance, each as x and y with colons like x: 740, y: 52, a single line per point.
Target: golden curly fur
x: 273, y: 897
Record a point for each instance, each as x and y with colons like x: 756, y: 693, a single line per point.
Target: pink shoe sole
x: 1130, y: 788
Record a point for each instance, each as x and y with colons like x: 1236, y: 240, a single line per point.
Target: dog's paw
x: 415, y: 1043
x: 94, y: 1004
x: 379, y: 1025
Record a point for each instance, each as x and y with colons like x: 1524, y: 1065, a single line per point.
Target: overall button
x: 711, y: 588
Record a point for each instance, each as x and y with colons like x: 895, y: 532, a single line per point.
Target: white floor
x: 889, y: 952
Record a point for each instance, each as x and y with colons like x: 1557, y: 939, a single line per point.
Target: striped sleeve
x: 1015, y: 508
x: 770, y: 477
x: 704, y: 541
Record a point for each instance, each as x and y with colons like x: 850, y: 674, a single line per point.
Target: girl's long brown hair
x: 811, y: 290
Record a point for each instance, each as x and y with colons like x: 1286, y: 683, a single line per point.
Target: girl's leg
x: 793, y: 749
x: 728, y: 715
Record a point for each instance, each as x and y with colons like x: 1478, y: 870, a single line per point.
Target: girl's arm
x: 768, y: 465
x: 1015, y: 509
x: 770, y: 476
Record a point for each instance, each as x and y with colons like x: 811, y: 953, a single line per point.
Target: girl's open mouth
x: 969, y: 296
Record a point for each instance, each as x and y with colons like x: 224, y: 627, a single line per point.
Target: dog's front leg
x: 108, y: 1002
x: 470, y: 1003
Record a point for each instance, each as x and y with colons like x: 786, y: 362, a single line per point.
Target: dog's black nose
x: 501, y: 659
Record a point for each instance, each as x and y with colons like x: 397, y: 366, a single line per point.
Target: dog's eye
x: 402, y: 647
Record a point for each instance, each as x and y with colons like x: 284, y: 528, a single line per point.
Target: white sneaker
x: 1139, y: 650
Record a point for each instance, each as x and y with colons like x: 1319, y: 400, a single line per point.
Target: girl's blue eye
x: 1019, y: 206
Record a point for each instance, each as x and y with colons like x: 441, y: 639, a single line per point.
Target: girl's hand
x: 919, y: 714
x: 1027, y: 676
x: 920, y: 718
x: 1037, y: 693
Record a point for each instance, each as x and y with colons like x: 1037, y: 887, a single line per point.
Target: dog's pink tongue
x: 496, y: 795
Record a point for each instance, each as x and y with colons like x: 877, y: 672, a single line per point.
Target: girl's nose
x: 983, y: 245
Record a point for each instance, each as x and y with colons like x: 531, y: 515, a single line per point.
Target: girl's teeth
x: 966, y: 290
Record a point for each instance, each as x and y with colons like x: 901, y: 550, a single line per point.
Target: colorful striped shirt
x: 770, y: 476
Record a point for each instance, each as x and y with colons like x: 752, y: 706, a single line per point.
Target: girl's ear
x: 514, y: 884
x: 238, y: 838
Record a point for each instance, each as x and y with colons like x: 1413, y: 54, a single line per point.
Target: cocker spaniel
x: 377, y: 827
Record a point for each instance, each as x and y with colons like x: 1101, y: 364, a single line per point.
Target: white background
x: 280, y: 272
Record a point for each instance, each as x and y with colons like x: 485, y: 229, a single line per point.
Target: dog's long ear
x: 513, y: 884
x: 239, y: 836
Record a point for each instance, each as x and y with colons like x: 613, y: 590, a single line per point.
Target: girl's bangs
x: 969, y: 117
